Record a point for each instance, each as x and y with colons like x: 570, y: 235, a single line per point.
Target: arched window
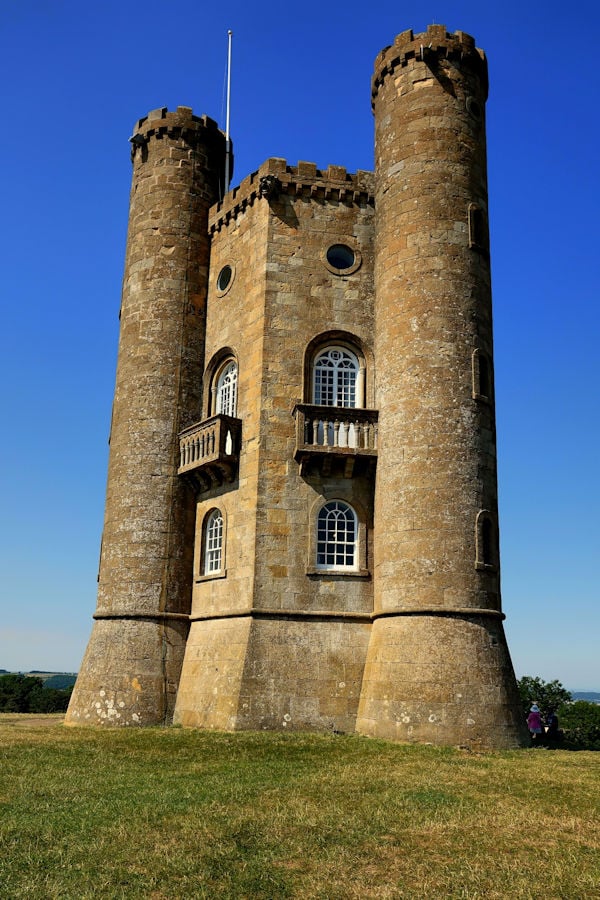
x: 213, y: 543
x: 487, y: 547
x: 337, y: 536
x: 335, y: 374
x: 486, y: 537
x: 226, y: 389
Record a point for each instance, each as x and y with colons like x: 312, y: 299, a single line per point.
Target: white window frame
x: 337, y: 537
x: 331, y: 383
x: 212, y: 550
x: 226, y: 389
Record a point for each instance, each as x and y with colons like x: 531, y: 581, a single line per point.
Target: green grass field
x: 171, y: 813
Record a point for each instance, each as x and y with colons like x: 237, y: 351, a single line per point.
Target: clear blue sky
x: 76, y: 77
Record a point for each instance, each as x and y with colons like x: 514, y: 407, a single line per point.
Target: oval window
x: 224, y: 278
x: 340, y: 256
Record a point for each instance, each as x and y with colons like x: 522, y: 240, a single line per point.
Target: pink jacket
x: 534, y: 721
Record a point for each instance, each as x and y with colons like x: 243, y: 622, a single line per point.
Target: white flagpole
x: 227, y: 141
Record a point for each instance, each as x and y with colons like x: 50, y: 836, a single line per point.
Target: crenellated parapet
x: 274, y: 178
x: 181, y: 123
x: 430, y: 47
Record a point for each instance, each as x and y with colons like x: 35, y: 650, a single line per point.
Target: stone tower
x: 131, y: 668
x: 438, y: 667
x: 303, y: 462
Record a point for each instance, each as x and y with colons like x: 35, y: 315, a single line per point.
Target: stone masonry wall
x: 306, y: 644
x: 219, y: 631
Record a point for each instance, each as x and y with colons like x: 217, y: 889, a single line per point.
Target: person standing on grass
x: 552, y: 726
x: 534, y: 722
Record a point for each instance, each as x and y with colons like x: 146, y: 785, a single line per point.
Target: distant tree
x: 579, y: 721
x: 580, y: 724
x: 52, y: 700
x: 549, y: 695
x: 24, y: 694
x: 18, y: 692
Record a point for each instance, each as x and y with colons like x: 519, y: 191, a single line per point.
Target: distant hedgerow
x: 27, y: 694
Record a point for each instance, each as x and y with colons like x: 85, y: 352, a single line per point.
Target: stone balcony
x: 209, y: 451
x: 333, y: 440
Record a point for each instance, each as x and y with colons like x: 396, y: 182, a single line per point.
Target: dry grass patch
x: 30, y: 720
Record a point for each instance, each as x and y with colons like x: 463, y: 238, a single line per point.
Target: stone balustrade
x: 331, y: 437
x: 209, y: 451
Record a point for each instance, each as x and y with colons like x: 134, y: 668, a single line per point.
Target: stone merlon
x: 333, y: 183
x: 434, y: 44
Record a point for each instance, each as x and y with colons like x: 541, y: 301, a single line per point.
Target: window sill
x: 345, y: 573
x: 211, y: 576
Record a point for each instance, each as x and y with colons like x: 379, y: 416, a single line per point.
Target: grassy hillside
x: 168, y: 813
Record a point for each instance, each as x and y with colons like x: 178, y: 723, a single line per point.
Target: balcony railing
x: 335, y: 439
x: 209, y: 451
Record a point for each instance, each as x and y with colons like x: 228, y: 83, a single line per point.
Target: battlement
x: 179, y: 124
x: 429, y: 47
x: 333, y: 184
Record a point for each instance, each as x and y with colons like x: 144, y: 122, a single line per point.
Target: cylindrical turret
x: 438, y: 667
x: 131, y: 668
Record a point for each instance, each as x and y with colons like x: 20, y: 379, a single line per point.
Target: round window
x: 339, y: 256
x: 224, y: 278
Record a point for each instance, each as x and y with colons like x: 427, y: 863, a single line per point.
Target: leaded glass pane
x: 336, y: 536
x: 213, y: 543
x: 227, y: 390
x: 335, y: 374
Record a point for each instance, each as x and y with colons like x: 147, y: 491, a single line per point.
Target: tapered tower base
x: 130, y: 672
x: 273, y: 672
x: 441, y: 679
